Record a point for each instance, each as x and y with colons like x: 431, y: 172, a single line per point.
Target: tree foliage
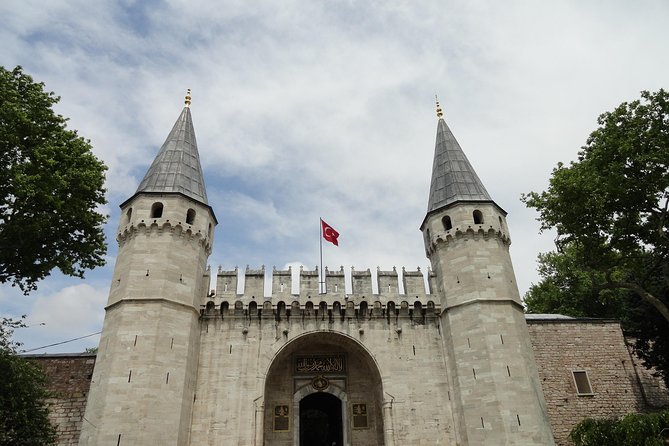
x: 567, y: 288
x: 611, y: 205
x: 23, y: 413
x: 50, y: 187
x: 631, y: 430
x: 609, y: 209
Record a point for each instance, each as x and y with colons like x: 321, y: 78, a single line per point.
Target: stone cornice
x: 164, y: 227
x: 473, y: 233
x: 153, y: 300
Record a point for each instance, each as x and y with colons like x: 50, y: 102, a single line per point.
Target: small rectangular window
x: 582, y: 382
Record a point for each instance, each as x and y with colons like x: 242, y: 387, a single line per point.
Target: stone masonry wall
x: 655, y: 391
x: 562, y: 346
x: 69, y: 378
x: 248, y: 343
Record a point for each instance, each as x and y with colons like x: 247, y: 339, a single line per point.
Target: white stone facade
x: 450, y: 365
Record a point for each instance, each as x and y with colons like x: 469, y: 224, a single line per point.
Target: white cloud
x: 72, y: 310
x: 324, y: 109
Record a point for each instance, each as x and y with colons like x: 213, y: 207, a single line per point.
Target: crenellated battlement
x: 357, y: 300
x: 163, y: 226
x: 471, y: 232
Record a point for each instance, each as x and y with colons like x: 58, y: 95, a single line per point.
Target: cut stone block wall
x: 655, y: 391
x: 69, y: 378
x: 595, y: 346
x: 560, y: 346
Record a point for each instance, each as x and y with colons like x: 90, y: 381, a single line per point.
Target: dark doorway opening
x: 320, y: 420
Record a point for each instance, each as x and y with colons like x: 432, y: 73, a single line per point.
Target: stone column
x: 388, y: 431
x: 260, y: 423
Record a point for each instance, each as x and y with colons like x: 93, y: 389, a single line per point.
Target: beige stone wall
x: 69, y: 379
x: 596, y: 346
x: 496, y: 388
x: 144, y: 378
x: 655, y: 391
x: 245, y: 366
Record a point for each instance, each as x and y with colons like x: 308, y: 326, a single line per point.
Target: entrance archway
x: 323, y: 388
x: 321, y: 420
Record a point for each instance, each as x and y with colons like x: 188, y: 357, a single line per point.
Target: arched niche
x: 323, y: 362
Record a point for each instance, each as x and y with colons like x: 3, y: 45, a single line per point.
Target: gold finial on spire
x: 187, y: 101
x: 440, y: 113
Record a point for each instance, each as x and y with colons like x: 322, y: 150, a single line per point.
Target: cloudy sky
x: 308, y: 109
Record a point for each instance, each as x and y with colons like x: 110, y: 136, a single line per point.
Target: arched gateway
x: 323, y: 389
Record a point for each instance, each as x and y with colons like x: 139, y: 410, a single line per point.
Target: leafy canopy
x: 50, y: 187
x: 610, y: 205
x: 566, y: 287
x: 650, y: 429
x: 23, y: 413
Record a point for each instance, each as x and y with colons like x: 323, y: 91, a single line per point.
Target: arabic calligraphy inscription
x: 320, y: 364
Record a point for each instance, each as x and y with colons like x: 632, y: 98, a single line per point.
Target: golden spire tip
x: 188, y: 98
x: 440, y: 113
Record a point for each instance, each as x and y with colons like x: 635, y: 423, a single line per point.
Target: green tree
x: 50, y: 187
x: 610, y: 206
x: 23, y: 413
x: 609, y: 209
x: 566, y: 288
x: 631, y: 430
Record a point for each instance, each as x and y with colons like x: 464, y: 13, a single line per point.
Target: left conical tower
x: 143, y: 384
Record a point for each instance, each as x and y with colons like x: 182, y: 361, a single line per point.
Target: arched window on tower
x: 478, y: 217
x: 447, y: 223
x: 363, y: 309
x: 128, y: 215
x: 157, y: 210
x: 190, y: 216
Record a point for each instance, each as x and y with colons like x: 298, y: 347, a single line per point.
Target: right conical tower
x: 496, y: 392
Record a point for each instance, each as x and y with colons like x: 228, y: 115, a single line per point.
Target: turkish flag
x: 329, y: 233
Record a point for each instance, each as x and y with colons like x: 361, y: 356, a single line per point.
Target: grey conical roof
x: 453, y: 177
x: 177, y: 165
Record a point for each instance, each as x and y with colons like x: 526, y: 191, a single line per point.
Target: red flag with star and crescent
x: 329, y: 233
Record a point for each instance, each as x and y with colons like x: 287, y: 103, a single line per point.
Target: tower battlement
x: 303, y: 287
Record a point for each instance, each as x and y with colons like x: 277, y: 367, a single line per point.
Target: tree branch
x: 639, y: 291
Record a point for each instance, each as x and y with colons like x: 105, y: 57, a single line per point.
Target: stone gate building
x: 452, y: 364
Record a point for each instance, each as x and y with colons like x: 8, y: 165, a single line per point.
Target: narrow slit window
x: 128, y: 215
x: 582, y: 382
x: 157, y: 210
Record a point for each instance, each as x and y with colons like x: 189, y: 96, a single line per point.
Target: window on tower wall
x: 190, y: 216
x: 582, y: 382
x: 128, y: 215
x: 478, y: 217
x: 447, y: 223
x: 157, y: 210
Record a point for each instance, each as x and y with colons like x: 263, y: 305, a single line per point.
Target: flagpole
x: 320, y: 238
